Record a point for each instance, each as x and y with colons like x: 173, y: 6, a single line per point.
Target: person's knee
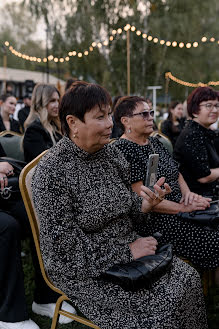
x: 8, y: 224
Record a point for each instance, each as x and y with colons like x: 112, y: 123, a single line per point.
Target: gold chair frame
x: 9, y: 132
x: 35, y: 231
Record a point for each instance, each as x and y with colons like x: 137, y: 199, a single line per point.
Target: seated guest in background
x: 116, y: 131
x: 190, y: 240
x: 82, y: 194
x: 8, y: 103
x: 173, y: 125
x: 13, y: 308
x: 14, y: 227
x: 42, y: 125
x: 24, y: 112
x: 195, y: 150
x: 69, y: 83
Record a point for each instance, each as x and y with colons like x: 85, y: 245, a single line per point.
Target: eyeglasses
x: 145, y: 115
x: 210, y: 106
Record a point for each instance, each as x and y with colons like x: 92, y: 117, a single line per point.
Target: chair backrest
x: 9, y: 133
x: 12, y: 145
x: 164, y: 140
x: 26, y: 192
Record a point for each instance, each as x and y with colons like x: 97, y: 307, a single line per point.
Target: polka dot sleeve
x: 132, y: 153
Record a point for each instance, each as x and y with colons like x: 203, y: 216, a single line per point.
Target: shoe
x: 49, y: 309
x: 27, y: 324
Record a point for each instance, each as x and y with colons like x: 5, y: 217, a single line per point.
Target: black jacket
x: 23, y: 114
x: 36, y: 140
x: 172, y: 131
x: 14, y: 125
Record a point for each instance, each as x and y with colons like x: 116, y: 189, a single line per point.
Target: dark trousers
x: 14, y: 225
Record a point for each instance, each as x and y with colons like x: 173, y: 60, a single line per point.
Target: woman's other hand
x: 190, y: 197
x: 5, y: 170
x: 143, y: 247
x: 201, y: 204
x: 151, y: 199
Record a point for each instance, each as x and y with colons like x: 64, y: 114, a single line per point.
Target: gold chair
x: 10, y: 133
x: 25, y: 188
x: 159, y: 126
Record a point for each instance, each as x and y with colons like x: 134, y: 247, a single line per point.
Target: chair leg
x: 205, y: 280
x: 56, y: 313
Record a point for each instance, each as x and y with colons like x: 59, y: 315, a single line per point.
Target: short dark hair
x: 4, y: 97
x: 197, y: 96
x: 69, y: 83
x: 125, y: 107
x: 81, y: 98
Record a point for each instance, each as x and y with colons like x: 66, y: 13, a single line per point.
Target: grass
x: 212, y: 301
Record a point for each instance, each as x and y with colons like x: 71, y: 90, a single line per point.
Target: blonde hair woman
x: 42, y: 127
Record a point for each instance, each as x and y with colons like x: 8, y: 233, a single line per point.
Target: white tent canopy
x: 16, y: 75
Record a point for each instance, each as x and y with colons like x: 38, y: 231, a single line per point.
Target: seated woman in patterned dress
x: 191, y: 241
x: 83, y: 197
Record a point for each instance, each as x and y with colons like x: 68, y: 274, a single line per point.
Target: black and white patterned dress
x: 197, y: 244
x: 86, y: 208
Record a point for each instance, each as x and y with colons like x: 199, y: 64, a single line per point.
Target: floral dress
x: 86, y: 209
x: 198, y: 244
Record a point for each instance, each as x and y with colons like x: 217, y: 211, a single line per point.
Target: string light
x: 115, y: 32
x: 168, y: 75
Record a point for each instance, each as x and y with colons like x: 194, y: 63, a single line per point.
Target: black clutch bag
x: 142, y: 272
x: 208, y: 217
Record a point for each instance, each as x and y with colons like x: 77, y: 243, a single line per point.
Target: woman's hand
x: 143, y: 247
x: 201, y: 204
x: 151, y: 199
x: 190, y: 197
x: 5, y: 170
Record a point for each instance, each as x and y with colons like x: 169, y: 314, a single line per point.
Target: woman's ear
x: 124, y: 121
x: 72, y: 123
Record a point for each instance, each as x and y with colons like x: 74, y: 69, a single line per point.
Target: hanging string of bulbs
x: 100, y: 44
x: 168, y: 75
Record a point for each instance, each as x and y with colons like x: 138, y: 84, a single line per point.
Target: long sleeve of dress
x: 192, y: 154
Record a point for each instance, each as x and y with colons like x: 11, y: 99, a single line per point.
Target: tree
x: 74, y: 25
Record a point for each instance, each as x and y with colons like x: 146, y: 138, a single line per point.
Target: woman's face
x: 177, y: 112
x: 53, y: 106
x: 95, y: 131
x: 9, y: 105
x: 138, y: 123
x: 208, y: 113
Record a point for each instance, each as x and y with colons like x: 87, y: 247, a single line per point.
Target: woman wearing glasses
x: 196, y: 244
x: 195, y: 150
